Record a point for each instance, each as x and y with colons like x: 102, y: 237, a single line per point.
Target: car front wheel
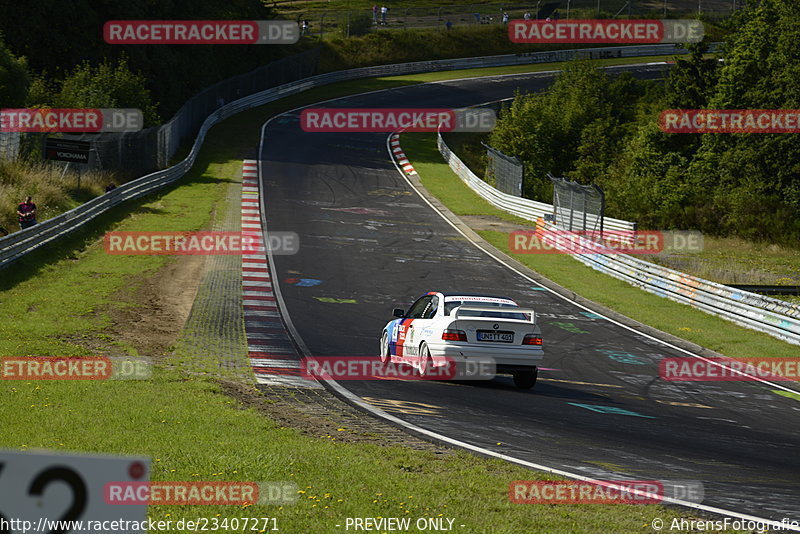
x: 526, y: 379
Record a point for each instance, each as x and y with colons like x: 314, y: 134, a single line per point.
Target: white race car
x: 441, y: 328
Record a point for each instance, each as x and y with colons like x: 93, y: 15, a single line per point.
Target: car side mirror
x: 399, y: 312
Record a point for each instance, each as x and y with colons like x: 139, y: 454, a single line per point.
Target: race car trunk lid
x: 497, y: 325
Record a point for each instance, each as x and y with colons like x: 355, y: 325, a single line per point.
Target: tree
x: 692, y: 81
x: 106, y: 86
x: 14, y: 79
x: 756, y: 177
x: 576, y: 129
x: 649, y: 183
x: 174, y: 72
x: 545, y: 131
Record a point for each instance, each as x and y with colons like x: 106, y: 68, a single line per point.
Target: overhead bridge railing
x: 18, y: 244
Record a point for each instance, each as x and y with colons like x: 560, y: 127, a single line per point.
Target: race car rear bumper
x: 506, y: 358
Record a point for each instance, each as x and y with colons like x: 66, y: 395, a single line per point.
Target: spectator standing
x: 375, y: 14
x: 384, y: 11
x: 448, y: 24
x: 26, y: 212
x: 505, y: 18
x: 527, y: 15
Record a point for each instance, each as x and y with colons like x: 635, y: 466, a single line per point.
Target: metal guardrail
x: 521, y: 207
x: 778, y: 318
x: 767, y: 290
x: 18, y: 244
x: 775, y: 317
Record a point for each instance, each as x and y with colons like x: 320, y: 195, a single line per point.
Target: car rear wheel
x: 424, y: 359
x: 526, y: 379
x: 385, y: 357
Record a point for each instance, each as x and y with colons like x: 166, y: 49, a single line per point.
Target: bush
x: 106, y: 86
x: 354, y: 24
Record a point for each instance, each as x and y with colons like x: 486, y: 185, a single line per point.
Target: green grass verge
x: 733, y: 260
x: 517, y: 69
x: 55, y: 299
x: 666, y: 315
x: 787, y: 394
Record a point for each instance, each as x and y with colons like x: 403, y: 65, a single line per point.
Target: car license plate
x: 503, y: 337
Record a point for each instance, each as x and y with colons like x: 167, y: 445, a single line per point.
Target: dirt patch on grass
x: 160, y: 303
x: 318, y: 413
x: 495, y: 224
x: 156, y: 306
x: 154, y: 311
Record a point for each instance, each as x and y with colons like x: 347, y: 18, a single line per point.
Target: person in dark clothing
x: 26, y: 212
x: 110, y: 187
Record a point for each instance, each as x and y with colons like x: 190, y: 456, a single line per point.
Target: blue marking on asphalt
x: 610, y: 410
x: 627, y: 358
x: 623, y: 357
x: 308, y: 282
x: 591, y: 315
x: 538, y: 289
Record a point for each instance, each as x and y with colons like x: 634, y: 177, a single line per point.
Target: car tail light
x: 531, y: 339
x: 454, y: 335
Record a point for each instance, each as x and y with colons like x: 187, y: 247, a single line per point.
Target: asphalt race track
x: 368, y: 242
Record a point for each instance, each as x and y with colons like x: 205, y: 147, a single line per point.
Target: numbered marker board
x: 39, y: 490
